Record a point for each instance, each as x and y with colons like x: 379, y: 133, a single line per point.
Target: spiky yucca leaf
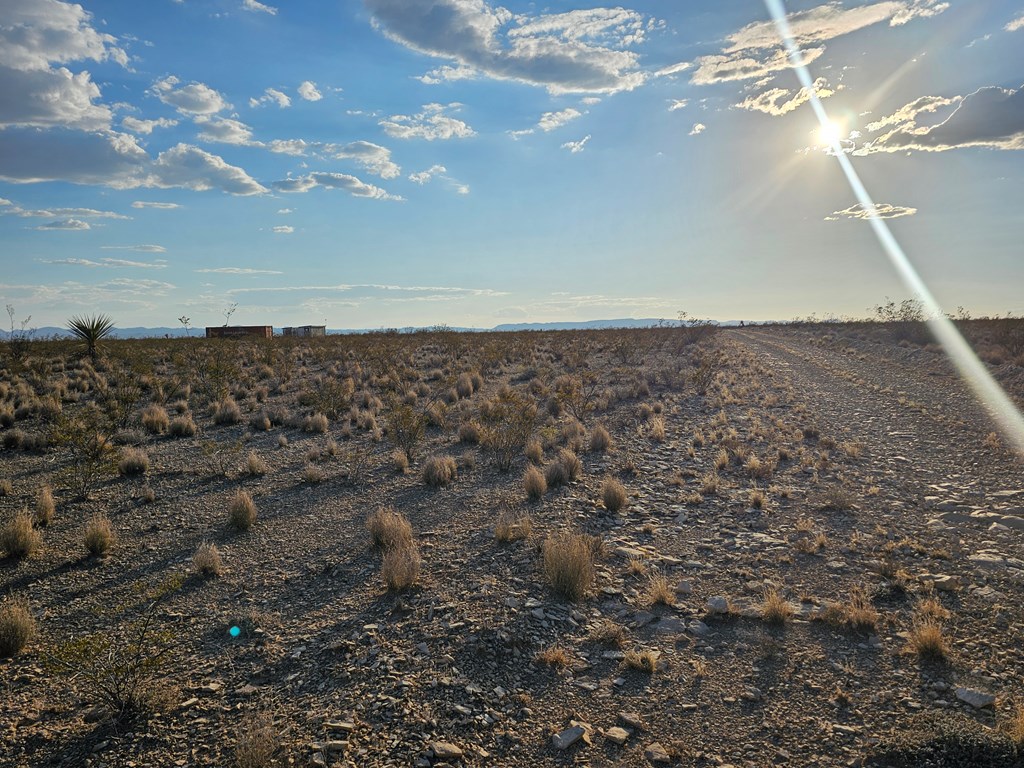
x: 91, y: 330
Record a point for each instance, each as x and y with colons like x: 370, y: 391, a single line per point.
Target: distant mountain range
x: 149, y: 333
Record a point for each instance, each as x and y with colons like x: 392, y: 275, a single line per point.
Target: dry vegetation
x: 747, y: 547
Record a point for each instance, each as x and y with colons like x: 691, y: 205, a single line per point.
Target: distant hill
x: 49, y: 332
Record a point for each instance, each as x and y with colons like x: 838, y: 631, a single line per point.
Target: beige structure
x: 305, y: 330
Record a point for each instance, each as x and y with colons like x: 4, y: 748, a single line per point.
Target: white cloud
x: 116, y: 263
x: 440, y: 172
x: 285, y: 210
x: 677, y: 104
x: 272, y: 95
x: 69, y: 225
x: 430, y: 124
x: 882, y: 211
x: 308, y: 90
x: 549, y: 121
x: 578, y: 51
x: 136, y: 248
x: 990, y: 117
x: 283, y: 229
x: 909, y: 112
x: 258, y: 7
x: 721, y: 68
x: 576, y: 146
x: 779, y: 101
x: 50, y: 97
x: 159, y: 206
x: 351, y: 184
x: 224, y: 130
x: 1014, y: 25
x: 146, y: 127
x: 448, y: 74
x: 373, y: 157
x: 698, y: 128
x: 36, y: 33
x: 240, y: 271
x: 80, y: 213
x: 193, y: 99
x: 192, y: 168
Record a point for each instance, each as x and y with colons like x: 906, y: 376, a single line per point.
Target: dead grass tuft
x: 513, y: 526
x: 17, y: 626
x: 46, y: 507
x: 609, y: 632
x: 600, y: 439
x: 400, y: 567
x: 133, y: 462
x: 613, y: 494
x: 927, y: 641
x: 242, y: 511
x: 155, y: 419
x: 857, y: 614
x: 18, y: 538
x: 255, y: 465
x: 535, y: 483
x: 439, y: 471
x: 775, y: 609
x: 555, y: 656
x: 388, y: 528
x: 659, y: 590
x: 226, y: 411
x: 257, y: 742
x: 99, y: 535
x: 206, y: 560
x: 642, y: 661
x: 569, y: 564
x: 182, y: 426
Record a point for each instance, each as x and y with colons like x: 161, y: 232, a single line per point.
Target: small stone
x: 617, y: 735
x: 568, y: 737
x: 444, y: 750
x: 656, y: 753
x: 977, y: 699
x: 684, y: 587
x: 718, y: 604
x: 632, y: 720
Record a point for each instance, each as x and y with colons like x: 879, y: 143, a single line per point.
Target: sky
x: 391, y: 163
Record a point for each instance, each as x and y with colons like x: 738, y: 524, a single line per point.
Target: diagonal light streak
x: 995, y: 400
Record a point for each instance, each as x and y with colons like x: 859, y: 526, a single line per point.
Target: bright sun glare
x: 831, y: 132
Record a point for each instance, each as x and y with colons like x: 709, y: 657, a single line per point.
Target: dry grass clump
x: 556, y: 656
x: 659, y: 590
x: 6, y: 488
x: 316, y: 424
x: 569, y: 564
x: 470, y: 433
x: 46, y: 507
x: 242, y: 511
x: 182, y: 426
x: 133, y: 462
x: 464, y: 385
x: 535, y: 483
x: 608, y: 632
x: 17, y: 626
x: 775, y: 609
x: 613, y: 494
x: 399, y: 461
x: 565, y: 469
x: 535, y: 451
x: 836, y: 499
x: 439, y: 471
x: 206, y: 560
x: 927, y: 640
x: 1014, y: 727
x: 400, y: 567
x: 155, y: 419
x: 226, y: 411
x: 656, y: 429
x: 642, y: 661
x: 388, y: 528
x: 857, y: 613
x: 756, y: 498
x: 257, y: 742
x: 513, y: 526
x: 259, y: 422
x: 99, y: 535
x: 600, y: 439
x: 255, y: 465
x: 709, y: 484
x: 18, y: 538
x: 313, y: 475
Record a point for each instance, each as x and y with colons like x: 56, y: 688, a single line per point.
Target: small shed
x: 236, y: 331
x: 304, y: 330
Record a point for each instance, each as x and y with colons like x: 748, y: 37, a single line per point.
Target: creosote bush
x: 17, y: 626
x: 613, y: 494
x: 206, y: 561
x: 133, y: 461
x: 534, y: 483
x: 242, y: 511
x: 388, y: 528
x: 18, y: 538
x: 439, y: 471
x: 569, y: 564
x: 99, y: 535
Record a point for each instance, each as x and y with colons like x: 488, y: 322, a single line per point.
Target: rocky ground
x: 814, y: 501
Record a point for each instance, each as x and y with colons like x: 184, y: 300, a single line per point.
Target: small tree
x: 91, y: 330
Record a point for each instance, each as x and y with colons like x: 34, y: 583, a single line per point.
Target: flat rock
x: 657, y: 754
x: 444, y: 750
x: 977, y: 699
x: 617, y: 735
x: 718, y: 604
x: 568, y: 737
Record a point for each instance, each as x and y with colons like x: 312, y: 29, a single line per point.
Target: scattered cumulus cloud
x: 239, y: 271
x: 430, y: 124
x: 779, y: 101
x: 224, y: 130
x: 283, y: 229
x: 351, y: 184
x: 576, y: 147
x: 440, y: 172
x: 145, y: 127
x: 549, y: 121
x: 698, y: 128
x: 191, y: 99
x: 373, y: 157
x: 158, y: 206
x: 1014, y: 25
x: 308, y: 90
x: 677, y: 104
x: 136, y: 248
x: 258, y: 7
x: 10, y: 209
x: 882, y: 211
x: 272, y: 96
x: 66, y: 225
x: 577, y: 51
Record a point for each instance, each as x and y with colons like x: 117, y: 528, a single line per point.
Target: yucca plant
x: 91, y: 330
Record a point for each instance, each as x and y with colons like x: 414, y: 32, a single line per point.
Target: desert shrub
x: 569, y: 564
x: 470, y: 433
x: 17, y: 626
x: 206, y: 560
x: 99, y: 535
x: 388, y: 528
x: 439, y: 471
x: 255, y: 465
x: 226, y: 411
x: 182, y: 426
x: 46, y: 507
x: 565, y: 469
x: 943, y: 739
x: 6, y: 488
x: 155, y: 419
x: 613, y: 494
x: 399, y: 461
x: 313, y: 475
x: 18, y: 538
x: 242, y: 511
x: 600, y: 440
x: 534, y: 483
x: 927, y: 640
x: 508, y: 423
x: 134, y: 461
x: 257, y: 742
x: 464, y: 385
x: 400, y: 567
x: 406, y: 427
x: 534, y: 451
x: 316, y: 423
x: 775, y: 609
x: 641, y: 661
x: 512, y: 526
x: 259, y: 422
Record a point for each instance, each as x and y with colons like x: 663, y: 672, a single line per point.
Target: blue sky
x: 379, y: 163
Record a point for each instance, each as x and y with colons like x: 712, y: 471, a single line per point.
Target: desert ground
x: 785, y: 545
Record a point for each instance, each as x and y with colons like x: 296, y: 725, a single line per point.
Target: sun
x: 831, y: 132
